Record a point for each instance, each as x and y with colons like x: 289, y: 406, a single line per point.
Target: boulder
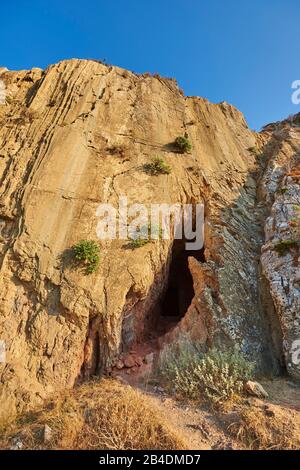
x: 255, y: 389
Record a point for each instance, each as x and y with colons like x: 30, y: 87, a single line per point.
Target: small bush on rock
x: 138, y: 243
x: 217, y: 376
x: 143, y: 236
x: 183, y: 144
x: 284, y: 246
x: 86, y: 252
x: 157, y: 166
x: 283, y: 190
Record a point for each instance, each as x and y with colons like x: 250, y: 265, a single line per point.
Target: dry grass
x: 97, y: 415
x: 258, y: 431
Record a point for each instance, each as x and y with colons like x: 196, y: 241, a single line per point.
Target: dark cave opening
x: 150, y: 320
x: 179, y: 292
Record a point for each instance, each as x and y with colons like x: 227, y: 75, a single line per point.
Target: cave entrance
x: 146, y: 324
x: 179, y: 291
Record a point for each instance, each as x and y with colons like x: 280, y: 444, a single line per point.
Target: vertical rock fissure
x: 266, y: 303
x: 91, y: 355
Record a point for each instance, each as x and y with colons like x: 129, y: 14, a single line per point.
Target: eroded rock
x: 255, y: 389
x: 77, y: 135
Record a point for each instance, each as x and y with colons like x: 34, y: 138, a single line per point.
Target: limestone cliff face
x: 77, y: 135
x: 279, y: 189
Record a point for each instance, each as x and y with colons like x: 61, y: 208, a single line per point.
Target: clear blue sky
x: 246, y: 52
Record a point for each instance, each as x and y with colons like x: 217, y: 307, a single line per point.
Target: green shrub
x: 87, y: 253
x: 284, y: 246
x: 144, y: 236
x: 138, y: 243
x: 216, y: 376
x: 183, y: 144
x: 157, y: 166
x: 255, y: 151
x: 283, y: 190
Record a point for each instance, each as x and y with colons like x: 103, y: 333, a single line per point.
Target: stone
x: 255, y: 389
x: 47, y: 432
x: 139, y: 360
x: 129, y: 361
x: 17, y: 444
x: 149, y: 358
x: 120, y: 365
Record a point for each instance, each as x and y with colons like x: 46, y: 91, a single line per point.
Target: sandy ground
x: 207, y: 429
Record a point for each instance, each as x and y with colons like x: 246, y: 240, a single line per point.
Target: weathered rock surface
x: 255, y: 389
x: 77, y: 135
x: 280, y: 188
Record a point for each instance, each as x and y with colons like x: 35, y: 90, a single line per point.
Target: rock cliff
x: 79, y: 134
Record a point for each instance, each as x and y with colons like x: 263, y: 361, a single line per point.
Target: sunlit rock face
x: 78, y: 135
x: 280, y: 189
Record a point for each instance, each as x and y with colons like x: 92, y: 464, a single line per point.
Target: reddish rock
x: 120, y: 365
x: 149, y: 358
x: 139, y: 361
x: 129, y: 361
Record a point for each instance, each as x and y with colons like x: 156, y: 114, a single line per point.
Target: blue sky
x: 244, y: 52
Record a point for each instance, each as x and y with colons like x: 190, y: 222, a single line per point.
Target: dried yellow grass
x: 258, y: 431
x: 99, y: 415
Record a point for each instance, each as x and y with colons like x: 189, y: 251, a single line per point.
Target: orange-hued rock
x: 77, y: 135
